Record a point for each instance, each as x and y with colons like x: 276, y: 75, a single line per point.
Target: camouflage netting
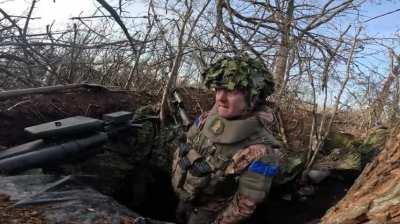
x: 242, y: 73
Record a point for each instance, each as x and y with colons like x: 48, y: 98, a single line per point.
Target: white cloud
x: 58, y: 11
x: 61, y: 10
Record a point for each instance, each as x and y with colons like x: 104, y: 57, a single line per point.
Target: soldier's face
x: 230, y: 103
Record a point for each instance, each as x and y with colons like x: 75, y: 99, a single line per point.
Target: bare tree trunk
x: 284, y: 48
x: 173, y: 75
x: 374, y: 197
x: 72, y: 66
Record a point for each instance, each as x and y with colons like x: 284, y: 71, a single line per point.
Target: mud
x: 9, y: 214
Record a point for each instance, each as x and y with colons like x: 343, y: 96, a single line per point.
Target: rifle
x: 180, y: 110
x: 73, y: 137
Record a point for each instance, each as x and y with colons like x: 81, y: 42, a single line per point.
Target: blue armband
x: 263, y: 168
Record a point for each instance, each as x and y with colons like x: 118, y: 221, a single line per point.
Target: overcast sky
x: 61, y: 10
x: 57, y: 11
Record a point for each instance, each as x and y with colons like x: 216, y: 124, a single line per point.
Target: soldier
x: 227, y: 165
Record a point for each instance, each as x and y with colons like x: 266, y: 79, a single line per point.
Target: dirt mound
x: 297, y: 117
x: 20, y: 112
x: 10, y: 214
x: 196, y: 100
x: 23, y: 111
x: 374, y: 198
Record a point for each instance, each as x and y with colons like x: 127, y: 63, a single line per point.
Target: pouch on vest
x: 194, y: 184
x: 191, y: 174
x: 178, y: 173
x: 256, y: 181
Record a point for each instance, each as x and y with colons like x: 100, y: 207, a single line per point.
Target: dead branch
x: 178, y: 58
x: 378, y: 104
x: 28, y: 17
x: 135, y: 70
x: 324, y: 129
x: 116, y: 17
x: 17, y: 104
x: 105, y: 16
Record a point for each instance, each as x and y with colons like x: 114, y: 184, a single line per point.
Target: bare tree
x: 182, y: 44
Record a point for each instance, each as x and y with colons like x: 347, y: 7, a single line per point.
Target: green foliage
x: 242, y: 73
x: 373, y: 144
x: 376, y: 139
x: 293, y: 165
x: 338, y: 140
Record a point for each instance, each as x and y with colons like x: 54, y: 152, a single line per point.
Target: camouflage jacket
x: 227, y: 166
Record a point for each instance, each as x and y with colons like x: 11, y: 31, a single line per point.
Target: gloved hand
x: 200, y: 168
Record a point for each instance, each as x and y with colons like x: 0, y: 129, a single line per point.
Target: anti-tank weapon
x: 57, y: 141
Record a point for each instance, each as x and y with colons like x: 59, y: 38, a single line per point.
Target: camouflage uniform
x: 227, y: 166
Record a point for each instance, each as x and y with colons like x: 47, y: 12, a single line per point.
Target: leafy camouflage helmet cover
x: 243, y: 73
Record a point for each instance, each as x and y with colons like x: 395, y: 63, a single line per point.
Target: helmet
x: 243, y: 73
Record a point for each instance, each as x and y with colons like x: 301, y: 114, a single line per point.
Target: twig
x: 115, y: 15
x: 88, y: 108
x: 326, y: 128
x: 28, y: 17
x: 282, y: 131
x: 57, y: 108
x: 97, y: 17
x: 17, y: 104
x: 135, y: 70
x: 384, y: 14
x: 178, y: 58
x: 24, y: 17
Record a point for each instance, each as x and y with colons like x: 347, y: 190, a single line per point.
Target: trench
x: 283, y: 205
x: 148, y: 191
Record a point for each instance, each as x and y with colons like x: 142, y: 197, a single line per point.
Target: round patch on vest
x: 217, y: 126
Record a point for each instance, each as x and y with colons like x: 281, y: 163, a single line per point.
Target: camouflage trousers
x: 186, y: 213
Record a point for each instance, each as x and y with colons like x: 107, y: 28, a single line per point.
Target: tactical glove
x: 200, y: 168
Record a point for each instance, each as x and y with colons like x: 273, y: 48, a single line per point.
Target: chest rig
x: 199, y: 166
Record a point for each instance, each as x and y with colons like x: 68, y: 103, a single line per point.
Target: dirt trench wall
x: 375, y: 196
x: 133, y: 171
x: 20, y: 112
